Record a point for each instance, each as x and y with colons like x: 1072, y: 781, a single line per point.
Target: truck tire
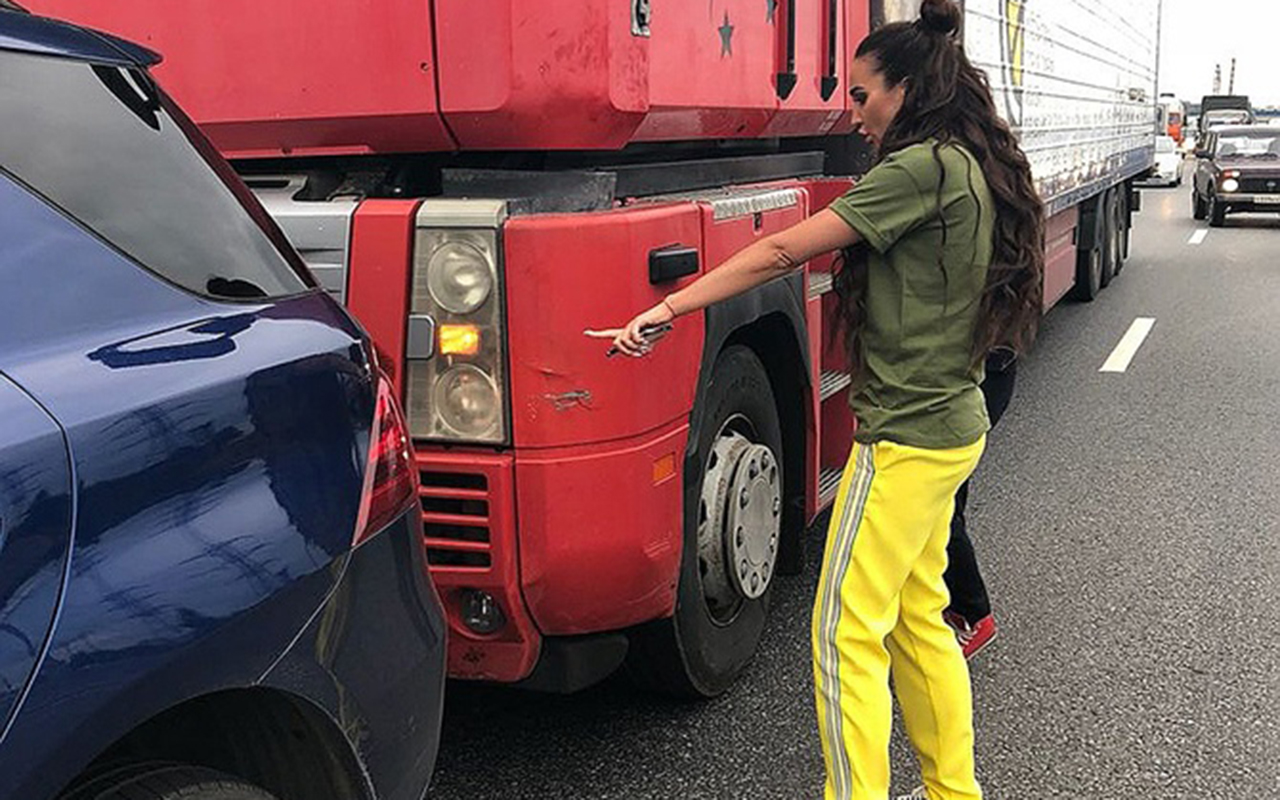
x: 1125, y: 217
x: 165, y: 781
x: 1217, y: 212
x: 1199, y: 209
x: 730, y: 542
x: 1088, y: 274
x: 1112, y: 239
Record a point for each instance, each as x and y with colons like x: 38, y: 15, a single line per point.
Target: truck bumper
x: 567, y: 542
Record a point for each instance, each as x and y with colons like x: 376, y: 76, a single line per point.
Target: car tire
x: 1199, y: 209
x: 712, y: 636
x: 165, y: 781
x: 1217, y: 212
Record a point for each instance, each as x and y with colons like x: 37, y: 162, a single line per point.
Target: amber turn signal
x: 459, y: 340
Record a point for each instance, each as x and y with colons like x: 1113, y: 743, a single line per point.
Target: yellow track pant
x: 879, y: 609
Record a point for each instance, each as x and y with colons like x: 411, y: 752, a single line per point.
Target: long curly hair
x: 949, y: 100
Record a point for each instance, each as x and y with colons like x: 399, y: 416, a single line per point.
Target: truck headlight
x: 468, y: 402
x: 459, y: 277
x: 456, y: 364
x: 1230, y: 185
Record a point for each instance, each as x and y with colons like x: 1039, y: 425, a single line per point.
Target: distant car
x: 1225, y: 117
x: 1237, y: 169
x: 212, y: 577
x: 1168, y: 167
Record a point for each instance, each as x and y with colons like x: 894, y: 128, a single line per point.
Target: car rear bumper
x: 374, y: 659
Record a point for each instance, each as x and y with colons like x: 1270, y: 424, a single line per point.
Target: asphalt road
x: 1129, y: 529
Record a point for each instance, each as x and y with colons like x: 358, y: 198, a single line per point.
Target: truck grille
x: 456, y: 519
x: 319, y: 230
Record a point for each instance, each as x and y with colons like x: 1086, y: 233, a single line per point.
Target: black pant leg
x: 964, y: 581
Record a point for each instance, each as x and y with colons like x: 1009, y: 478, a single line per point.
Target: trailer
x: 480, y: 180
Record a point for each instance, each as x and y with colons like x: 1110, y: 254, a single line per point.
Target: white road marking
x: 1129, y: 344
x: 1198, y: 236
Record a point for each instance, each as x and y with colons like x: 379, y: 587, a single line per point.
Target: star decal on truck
x: 772, y: 10
x: 726, y: 37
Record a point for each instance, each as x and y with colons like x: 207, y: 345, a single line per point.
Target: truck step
x: 833, y: 383
x: 820, y: 283
x: 828, y: 483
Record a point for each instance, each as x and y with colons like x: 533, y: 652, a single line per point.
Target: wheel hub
x: 755, y: 510
x: 739, y: 523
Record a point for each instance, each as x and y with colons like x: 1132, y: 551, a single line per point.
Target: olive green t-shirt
x: 920, y: 387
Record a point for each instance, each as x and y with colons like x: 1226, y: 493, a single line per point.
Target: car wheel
x: 1199, y: 210
x: 1217, y: 212
x: 730, y: 541
x: 163, y: 781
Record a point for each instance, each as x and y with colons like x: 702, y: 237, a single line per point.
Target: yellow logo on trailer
x: 1013, y: 44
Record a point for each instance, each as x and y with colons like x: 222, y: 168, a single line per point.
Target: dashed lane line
x: 1198, y: 236
x: 1129, y: 344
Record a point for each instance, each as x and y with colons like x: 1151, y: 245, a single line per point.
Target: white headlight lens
x: 459, y: 277
x: 467, y: 401
x: 1230, y: 185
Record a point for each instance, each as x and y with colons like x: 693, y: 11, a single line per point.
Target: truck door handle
x: 787, y: 79
x: 671, y: 262
x: 831, y: 78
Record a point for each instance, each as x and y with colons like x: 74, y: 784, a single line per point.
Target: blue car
x: 212, y: 576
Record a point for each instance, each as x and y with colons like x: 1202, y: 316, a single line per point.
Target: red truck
x: 481, y: 180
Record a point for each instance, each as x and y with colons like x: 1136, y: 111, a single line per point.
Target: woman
x: 943, y: 254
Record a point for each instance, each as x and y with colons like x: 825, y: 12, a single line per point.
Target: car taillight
x: 390, y: 479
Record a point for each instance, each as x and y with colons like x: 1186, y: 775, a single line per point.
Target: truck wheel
x: 1199, y: 210
x: 1125, y: 221
x: 1088, y: 274
x: 730, y: 542
x: 163, y: 781
x: 1112, y: 239
x: 1217, y: 212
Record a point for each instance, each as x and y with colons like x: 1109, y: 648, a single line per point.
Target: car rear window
x: 105, y: 145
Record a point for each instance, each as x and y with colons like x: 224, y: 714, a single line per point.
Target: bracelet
x: 670, y: 307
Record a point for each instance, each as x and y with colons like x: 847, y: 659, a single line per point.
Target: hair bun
x: 940, y: 16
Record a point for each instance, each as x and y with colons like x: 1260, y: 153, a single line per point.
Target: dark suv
x: 1237, y: 169
x: 212, y: 577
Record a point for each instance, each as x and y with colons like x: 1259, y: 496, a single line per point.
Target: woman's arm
x: 752, y: 266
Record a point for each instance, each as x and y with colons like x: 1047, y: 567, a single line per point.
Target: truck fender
x: 738, y: 319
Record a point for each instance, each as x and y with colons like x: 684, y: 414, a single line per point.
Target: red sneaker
x: 973, y: 637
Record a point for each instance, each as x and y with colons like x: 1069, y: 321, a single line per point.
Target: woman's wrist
x: 666, y: 301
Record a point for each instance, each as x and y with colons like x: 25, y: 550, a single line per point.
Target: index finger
x: 609, y: 333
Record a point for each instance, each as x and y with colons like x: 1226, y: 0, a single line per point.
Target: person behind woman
x: 969, y: 614
x: 943, y: 255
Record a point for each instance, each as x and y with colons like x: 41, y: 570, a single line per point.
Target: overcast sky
x: 1196, y: 35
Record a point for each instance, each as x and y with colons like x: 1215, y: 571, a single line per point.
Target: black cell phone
x: 646, y: 331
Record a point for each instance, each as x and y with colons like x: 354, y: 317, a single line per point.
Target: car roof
x: 28, y: 33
